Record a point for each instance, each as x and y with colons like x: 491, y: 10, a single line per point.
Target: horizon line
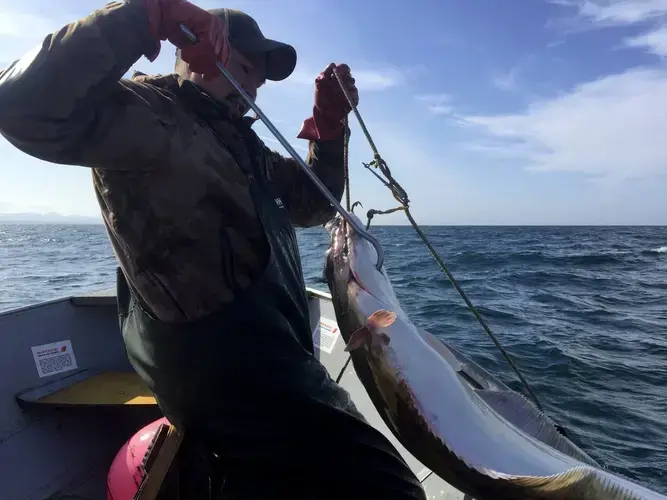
x: 480, y: 225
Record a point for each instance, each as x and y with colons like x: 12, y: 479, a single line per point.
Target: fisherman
x: 200, y: 214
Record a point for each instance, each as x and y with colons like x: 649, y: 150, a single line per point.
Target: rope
x: 402, y: 197
x: 471, y: 307
x: 372, y: 212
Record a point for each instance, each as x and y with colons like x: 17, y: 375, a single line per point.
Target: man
x: 200, y: 215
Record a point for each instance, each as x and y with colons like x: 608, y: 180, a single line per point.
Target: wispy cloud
x: 654, y: 42
x: 612, y: 127
x: 622, y: 12
x: 595, y: 14
x: 20, y: 30
x: 507, y: 81
x: 510, y: 80
x: 19, y: 24
x: 366, y: 80
x: 436, y: 104
x: 625, y: 13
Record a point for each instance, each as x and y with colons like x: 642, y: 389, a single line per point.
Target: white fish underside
x: 460, y: 420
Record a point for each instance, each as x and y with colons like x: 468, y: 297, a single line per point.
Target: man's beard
x: 238, y: 106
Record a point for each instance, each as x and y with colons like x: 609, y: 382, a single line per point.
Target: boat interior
x: 69, y: 398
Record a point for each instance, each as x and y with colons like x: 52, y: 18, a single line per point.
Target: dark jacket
x: 175, y: 203
x: 200, y: 214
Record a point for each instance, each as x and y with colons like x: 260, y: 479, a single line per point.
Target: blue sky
x: 487, y: 111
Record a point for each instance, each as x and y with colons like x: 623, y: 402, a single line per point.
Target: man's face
x: 250, y: 73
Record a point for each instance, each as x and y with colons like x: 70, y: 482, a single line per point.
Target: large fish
x: 441, y: 419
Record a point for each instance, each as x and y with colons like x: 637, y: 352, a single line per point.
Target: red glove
x: 166, y: 16
x: 331, y: 106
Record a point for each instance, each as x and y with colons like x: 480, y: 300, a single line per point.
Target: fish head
x: 362, y: 294
x: 351, y: 254
x: 337, y: 266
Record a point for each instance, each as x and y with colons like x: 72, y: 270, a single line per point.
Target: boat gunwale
x: 105, y: 297
x: 31, y: 307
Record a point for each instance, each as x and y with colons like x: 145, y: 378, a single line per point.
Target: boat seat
x: 91, y: 388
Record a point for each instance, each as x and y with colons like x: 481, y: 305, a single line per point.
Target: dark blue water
x: 582, y: 311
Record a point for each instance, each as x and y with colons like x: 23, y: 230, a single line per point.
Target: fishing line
x: 398, y: 192
x: 402, y: 197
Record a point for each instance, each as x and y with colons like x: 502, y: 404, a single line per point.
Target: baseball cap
x: 246, y: 37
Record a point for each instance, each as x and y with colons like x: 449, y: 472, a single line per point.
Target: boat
x: 70, y: 400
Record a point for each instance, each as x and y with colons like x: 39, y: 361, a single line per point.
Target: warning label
x: 54, y: 358
x: 325, y: 335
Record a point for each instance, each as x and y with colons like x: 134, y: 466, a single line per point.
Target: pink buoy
x: 126, y: 471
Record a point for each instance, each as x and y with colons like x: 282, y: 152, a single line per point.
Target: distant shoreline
x: 49, y: 218
x: 56, y: 218
x: 94, y: 222
x: 49, y: 223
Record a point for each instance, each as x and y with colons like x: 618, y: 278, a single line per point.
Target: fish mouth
x: 337, y: 236
x: 341, y: 239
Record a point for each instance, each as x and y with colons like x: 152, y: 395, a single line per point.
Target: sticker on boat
x: 57, y: 357
x: 325, y: 335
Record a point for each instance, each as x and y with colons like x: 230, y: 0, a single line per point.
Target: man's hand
x: 331, y: 106
x: 166, y: 17
x: 328, y: 95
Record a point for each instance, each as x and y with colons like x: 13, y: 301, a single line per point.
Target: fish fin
x: 357, y: 339
x: 382, y: 318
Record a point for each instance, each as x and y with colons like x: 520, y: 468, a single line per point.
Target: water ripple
x: 582, y: 311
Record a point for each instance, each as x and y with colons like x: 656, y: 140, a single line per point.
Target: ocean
x: 581, y: 310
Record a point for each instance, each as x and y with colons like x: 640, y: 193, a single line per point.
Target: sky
x: 486, y: 111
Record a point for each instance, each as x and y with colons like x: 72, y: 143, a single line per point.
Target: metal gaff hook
x: 323, y: 189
